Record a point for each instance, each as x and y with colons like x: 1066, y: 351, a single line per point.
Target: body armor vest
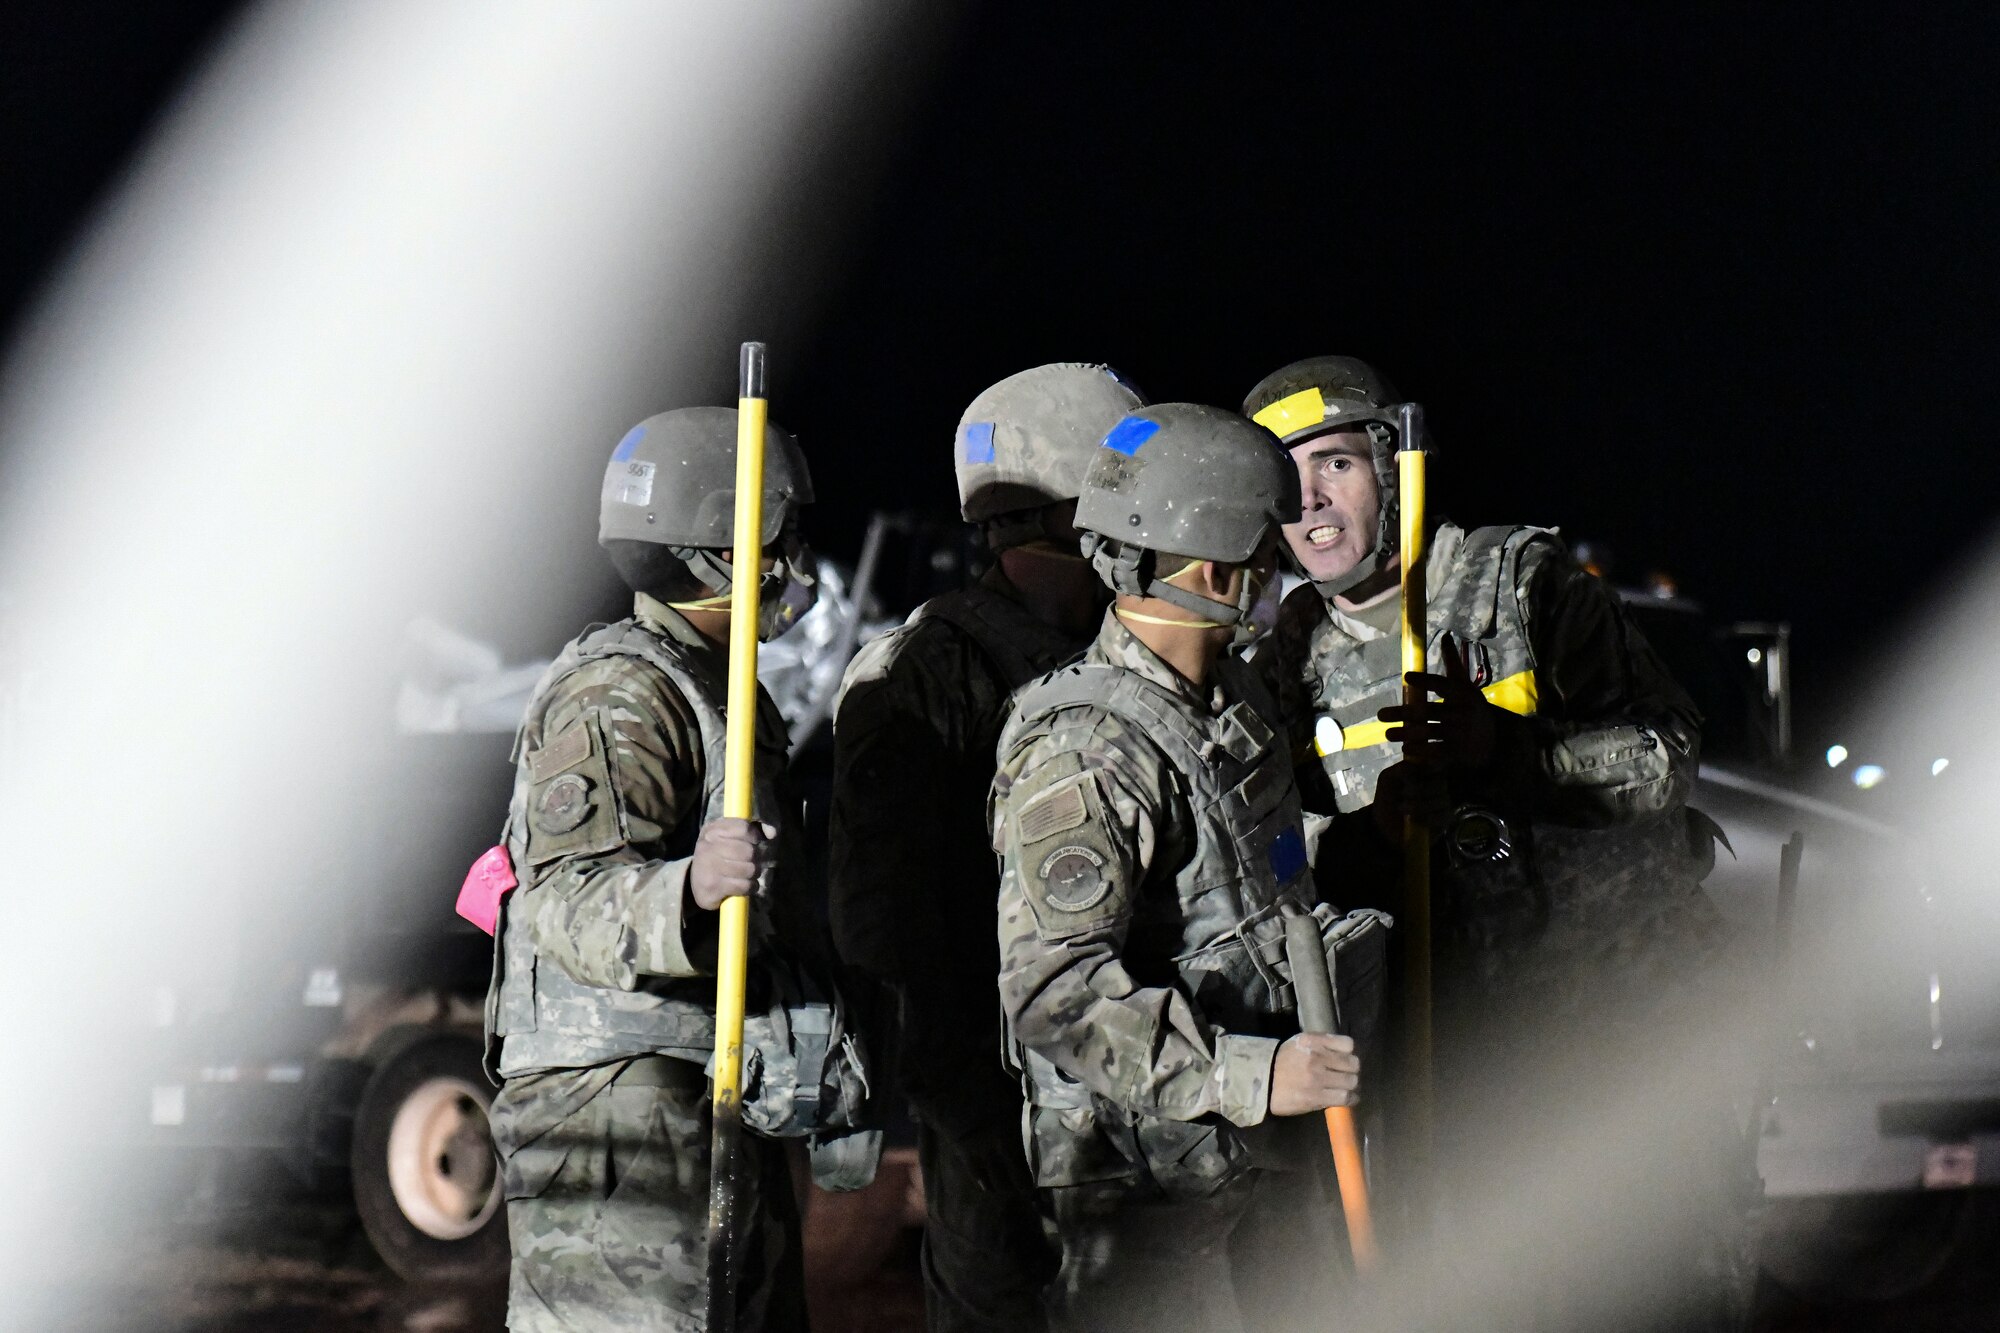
x: 1517, y: 916
x: 1220, y: 937
x: 1475, y: 615
x: 1020, y: 646
x: 542, y: 1016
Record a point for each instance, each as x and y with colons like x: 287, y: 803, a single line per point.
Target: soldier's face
x: 1339, y: 504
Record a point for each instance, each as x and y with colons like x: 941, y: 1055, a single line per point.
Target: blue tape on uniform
x: 1129, y: 434
x: 978, y: 438
x: 1288, y: 854
x: 628, y: 444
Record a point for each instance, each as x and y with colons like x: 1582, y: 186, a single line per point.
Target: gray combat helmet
x: 672, y: 482
x: 1323, y: 394
x: 1183, y: 480
x: 1025, y: 442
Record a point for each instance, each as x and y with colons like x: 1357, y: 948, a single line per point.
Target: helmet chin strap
x: 1227, y: 613
x: 710, y: 568
x: 773, y: 616
x: 1364, y: 569
x: 1128, y: 570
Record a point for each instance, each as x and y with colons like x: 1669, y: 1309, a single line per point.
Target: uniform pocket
x: 1067, y: 1146
x: 1190, y: 1159
x: 530, y: 1170
x: 650, y: 1232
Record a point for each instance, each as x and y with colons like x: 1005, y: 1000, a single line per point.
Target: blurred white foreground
x: 350, y: 344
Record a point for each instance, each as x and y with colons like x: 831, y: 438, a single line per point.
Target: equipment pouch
x: 805, y: 1074
x: 846, y: 1160
x: 1357, y: 963
x: 1496, y: 906
x: 1242, y: 979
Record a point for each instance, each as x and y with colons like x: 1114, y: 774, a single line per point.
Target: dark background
x: 1712, y: 285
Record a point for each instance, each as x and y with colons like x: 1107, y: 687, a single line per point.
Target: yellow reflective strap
x: 1293, y: 413
x: 1516, y: 694
x: 1361, y: 735
x: 715, y: 603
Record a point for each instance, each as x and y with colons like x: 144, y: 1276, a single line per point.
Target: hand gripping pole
x: 738, y: 786
x: 1307, y: 956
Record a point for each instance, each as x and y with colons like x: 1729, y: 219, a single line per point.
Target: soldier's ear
x: 1218, y: 580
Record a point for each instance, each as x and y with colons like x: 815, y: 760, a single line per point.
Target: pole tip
x: 1413, y: 427
x: 750, y: 371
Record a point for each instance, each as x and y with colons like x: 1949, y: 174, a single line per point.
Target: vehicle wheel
x: 1862, y: 1247
x: 426, y: 1180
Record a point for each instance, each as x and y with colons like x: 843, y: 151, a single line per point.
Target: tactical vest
x: 542, y: 1016
x: 1475, y: 614
x: 1220, y: 936
x: 1020, y: 646
x: 1520, y: 921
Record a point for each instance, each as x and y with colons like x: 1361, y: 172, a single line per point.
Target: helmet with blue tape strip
x: 1180, y: 479
x: 1025, y: 442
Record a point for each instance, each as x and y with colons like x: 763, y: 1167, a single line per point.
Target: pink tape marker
x: 489, y: 880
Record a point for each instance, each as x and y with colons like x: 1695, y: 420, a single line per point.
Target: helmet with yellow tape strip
x: 1324, y: 394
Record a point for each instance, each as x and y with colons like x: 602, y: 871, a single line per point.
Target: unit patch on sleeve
x: 563, y: 804
x: 1073, y: 878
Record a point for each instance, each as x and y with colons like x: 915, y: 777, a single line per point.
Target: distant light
x: 1836, y: 755
x: 1939, y: 765
x: 1755, y: 655
x: 1868, y: 775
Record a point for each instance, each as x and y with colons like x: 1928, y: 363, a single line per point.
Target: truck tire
x: 426, y: 1181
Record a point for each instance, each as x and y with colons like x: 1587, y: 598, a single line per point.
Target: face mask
x: 784, y: 593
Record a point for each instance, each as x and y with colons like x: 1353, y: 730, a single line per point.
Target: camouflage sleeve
x: 617, y: 770
x: 1616, y: 740
x: 1079, y: 832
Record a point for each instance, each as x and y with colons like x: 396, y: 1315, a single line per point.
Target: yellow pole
x: 1410, y: 478
x: 738, y: 802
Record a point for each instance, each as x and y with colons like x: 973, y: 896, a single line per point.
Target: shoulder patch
x: 567, y: 750
x: 563, y: 804
x: 572, y: 806
x: 1073, y: 878
x: 1053, y: 812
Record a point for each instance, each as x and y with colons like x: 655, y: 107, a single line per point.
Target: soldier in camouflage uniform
x: 1554, y: 755
x: 913, y: 880
x: 602, y: 1007
x: 1151, y: 852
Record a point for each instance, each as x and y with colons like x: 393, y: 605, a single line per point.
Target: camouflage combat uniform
x: 913, y: 884
x: 603, y: 999
x: 1563, y: 959
x: 1151, y: 848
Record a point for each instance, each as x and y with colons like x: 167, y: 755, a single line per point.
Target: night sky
x: 1715, y: 286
